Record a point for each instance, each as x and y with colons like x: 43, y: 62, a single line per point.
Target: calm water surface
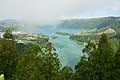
x: 69, y: 52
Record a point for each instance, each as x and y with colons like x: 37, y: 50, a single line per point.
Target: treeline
x: 42, y: 63
x: 36, y: 62
x: 99, y: 63
x: 88, y: 23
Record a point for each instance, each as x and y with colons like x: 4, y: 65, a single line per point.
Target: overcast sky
x: 49, y: 11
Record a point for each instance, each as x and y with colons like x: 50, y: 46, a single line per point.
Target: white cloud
x: 49, y: 11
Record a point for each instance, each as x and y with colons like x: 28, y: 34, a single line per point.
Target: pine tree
x: 82, y: 70
x: 51, y: 63
x: 28, y: 65
x: 8, y: 55
x: 117, y: 55
x: 99, y: 65
x: 67, y: 73
x: 116, y: 75
x: 103, y: 59
x: 38, y: 63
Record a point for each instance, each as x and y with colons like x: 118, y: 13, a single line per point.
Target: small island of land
x: 63, y: 33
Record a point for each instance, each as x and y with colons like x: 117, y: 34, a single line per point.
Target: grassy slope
x: 88, y: 35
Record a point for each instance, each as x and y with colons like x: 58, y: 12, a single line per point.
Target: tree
x: 84, y: 69
x: 117, y: 55
x: 103, y: 59
x: 28, y: 65
x: 89, y: 49
x: 51, y: 63
x: 99, y: 65
x: 8, y: 56
x: 116, y: 75
x: 67, y: 73
x: 38, y: 63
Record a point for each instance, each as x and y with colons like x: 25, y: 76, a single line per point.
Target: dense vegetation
x: 101, y: 59
x: 88, y: 23
x: 112, y: 31
x: 99, y: 62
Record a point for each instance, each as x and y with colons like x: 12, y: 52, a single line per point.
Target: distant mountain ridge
x: 12, y: 23
x: 71, y: 23
x: 88, y: 23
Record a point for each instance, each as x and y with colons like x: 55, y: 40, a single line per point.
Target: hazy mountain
x: 88, y: 23
x: 69, y: 23
x: 11, y: 23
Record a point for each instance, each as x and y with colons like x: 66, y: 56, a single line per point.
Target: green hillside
x: 88, y: 23
x: 116, y: 26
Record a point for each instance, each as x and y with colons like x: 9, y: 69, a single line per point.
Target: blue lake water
x: 69, y: 52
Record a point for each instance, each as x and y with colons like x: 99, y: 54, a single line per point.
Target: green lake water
x: 69, y: 51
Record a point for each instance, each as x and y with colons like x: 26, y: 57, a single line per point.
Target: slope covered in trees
x: 88, y: 23
x: 8, y: 55
x: 99, y: 62
x: 102, y: 63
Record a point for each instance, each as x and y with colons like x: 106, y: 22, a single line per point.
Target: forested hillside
x: 88, y: 23
x: 37, y: 62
